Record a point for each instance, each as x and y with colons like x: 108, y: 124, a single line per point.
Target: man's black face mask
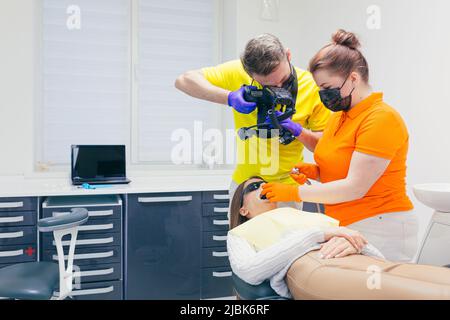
x: 332, y: 99
x: 288, y: 84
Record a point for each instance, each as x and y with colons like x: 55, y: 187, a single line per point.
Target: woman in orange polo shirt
x: 361, y: 157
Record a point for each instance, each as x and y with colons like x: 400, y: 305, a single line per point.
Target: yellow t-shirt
x: 267, y: 228
x: 266, y: 157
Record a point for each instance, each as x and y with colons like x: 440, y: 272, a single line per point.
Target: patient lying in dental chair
x: 308, y: 256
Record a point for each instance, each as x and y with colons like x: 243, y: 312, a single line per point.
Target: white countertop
x: 28, y: 187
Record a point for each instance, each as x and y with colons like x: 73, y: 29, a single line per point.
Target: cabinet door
x: 164, y: 246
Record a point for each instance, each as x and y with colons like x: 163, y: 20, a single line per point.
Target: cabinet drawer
x: 216, y: 283
x: 99, y: 272
x: 215, y: 223
x: 215, y: 196
x: 17, y: 254
x: 215, y: 257
x: 85, y: 256
x: 108, y: 290
x: 17, y: 218
x: 214, y: 209
x: 214, y: 238
x: 85, y: 240
x: 18, y: 204
x: 95, y: 213
x: 17, y: 235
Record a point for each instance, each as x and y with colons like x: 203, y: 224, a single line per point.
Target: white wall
x: 409, y: 61
x: 17, y: 54
x: 408, y: 56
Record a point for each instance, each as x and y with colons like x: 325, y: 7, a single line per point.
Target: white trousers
x: 394, y: 234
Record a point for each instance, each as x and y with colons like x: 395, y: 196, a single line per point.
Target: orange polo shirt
x: 371, y: 127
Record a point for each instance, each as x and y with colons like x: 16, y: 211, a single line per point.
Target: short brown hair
x: 235, y: 216
x: 263, y: 54
x: 342, y: 56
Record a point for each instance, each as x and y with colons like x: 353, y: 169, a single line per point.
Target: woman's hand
x: 305, y: 170
x: 337, y: 247
x: 354, y: 237
x: 280, y: 192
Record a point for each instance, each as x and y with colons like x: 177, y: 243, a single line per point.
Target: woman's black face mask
x: 332, y: 99
x: 250, y: 188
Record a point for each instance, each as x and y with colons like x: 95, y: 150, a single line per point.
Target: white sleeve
x: 371, y: 251
x: 254, y: 267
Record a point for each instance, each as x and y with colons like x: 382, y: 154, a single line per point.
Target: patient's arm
x: 254, y: 267
x: 337, y: 247
x: 354, y: 237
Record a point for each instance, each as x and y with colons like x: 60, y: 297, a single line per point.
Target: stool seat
x: 29, y: 281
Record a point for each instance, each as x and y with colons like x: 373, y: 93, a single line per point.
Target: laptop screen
x: 98, y: 162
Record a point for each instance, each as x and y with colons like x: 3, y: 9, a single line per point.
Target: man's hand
x: 236, y: 100
x: 295, y: 128
x: 337, y: 247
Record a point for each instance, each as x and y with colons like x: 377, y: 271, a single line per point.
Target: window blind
x: 85, y: 75
x: 173, y: 37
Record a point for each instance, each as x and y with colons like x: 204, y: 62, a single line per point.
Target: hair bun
x: 347, y: 39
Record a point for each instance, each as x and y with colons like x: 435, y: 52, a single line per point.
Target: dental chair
x: 39, y: 280
x: 261, y: 291
x: 264, y: 291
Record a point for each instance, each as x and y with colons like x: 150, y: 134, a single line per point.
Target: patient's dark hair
x: 235, y: 217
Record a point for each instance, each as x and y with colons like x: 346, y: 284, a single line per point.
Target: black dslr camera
x: 267, y: 99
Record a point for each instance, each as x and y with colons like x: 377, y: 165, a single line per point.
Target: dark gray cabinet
x: 216, y: 270
x: 163, y: 246
x: 18, y: 237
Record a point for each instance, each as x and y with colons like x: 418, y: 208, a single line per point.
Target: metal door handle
x: 88, y: 241
x: 11, y: 205
x: 164, y: 199
x: 11, y: 235
x: 86, y: 292
x: 100, y: 213
x: 220, y: 210
x: 220, y: 254
x: 221, y: 197
x: 221, y: 222
x: 222, y: 274
x: 11, y: 219
x: 219, y: 238
x: 84, y: 256
x: 14, y: 253
x: 96, y: 227
x: 90, y: 273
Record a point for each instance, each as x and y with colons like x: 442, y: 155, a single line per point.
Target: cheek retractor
x: 259, y: 196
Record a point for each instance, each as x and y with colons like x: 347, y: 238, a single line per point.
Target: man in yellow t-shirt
x: 265, y: 62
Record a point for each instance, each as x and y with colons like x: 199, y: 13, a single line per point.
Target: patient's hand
x: 354, y: 237
x: 337, y: 247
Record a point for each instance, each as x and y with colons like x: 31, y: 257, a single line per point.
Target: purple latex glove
x: 237, y: 101
x: 295, y: 128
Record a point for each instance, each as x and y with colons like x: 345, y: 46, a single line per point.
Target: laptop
x: 98, y: 164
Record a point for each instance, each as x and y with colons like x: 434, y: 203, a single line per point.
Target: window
x: 108, y: 72
x: 173, y: 37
